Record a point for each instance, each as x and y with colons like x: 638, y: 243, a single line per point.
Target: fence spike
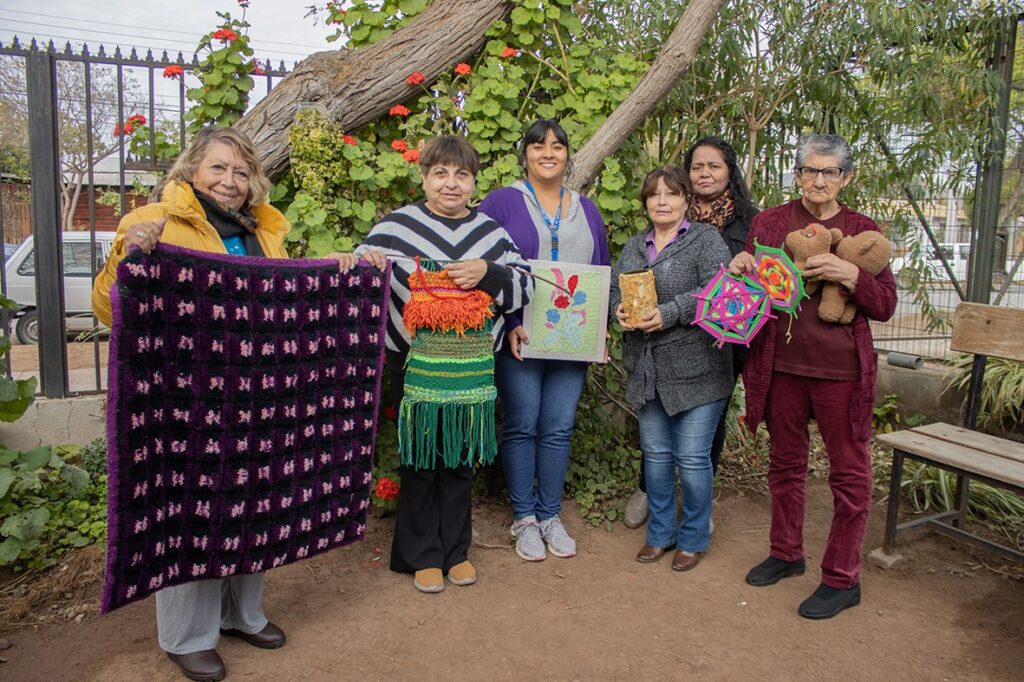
x: 149, y: 55
x: 14, y: 43
x: 117, y: 52
x: 67, y: 48
x: 103, y: 51
x: 134, y: 56
x: 85, y: 49
x: 51, y: 48
x: 164, y: 57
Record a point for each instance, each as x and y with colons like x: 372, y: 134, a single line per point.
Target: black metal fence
x: 73, y: 100
x: 971, y: 241
x: 83, y: 177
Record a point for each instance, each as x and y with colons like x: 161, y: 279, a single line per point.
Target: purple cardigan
x: 507, y: 206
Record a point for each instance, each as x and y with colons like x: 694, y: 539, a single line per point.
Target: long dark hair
x: 737, y: 186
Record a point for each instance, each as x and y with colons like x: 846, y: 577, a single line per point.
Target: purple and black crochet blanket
x: 241, y: 414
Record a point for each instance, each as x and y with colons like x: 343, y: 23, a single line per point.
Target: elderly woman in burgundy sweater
x: 826, y: 371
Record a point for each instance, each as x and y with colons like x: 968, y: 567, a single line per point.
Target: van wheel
x: 27, y: 328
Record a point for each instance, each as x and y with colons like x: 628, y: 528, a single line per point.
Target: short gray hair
x: 826, y: 144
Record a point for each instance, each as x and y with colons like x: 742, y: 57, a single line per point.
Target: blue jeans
x: 539, y: 399
x: 683, y: 441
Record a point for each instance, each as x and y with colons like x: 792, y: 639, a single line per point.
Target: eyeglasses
x: 811, y: 173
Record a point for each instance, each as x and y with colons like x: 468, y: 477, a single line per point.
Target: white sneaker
x: 558, y: 541
x: 529, y: 543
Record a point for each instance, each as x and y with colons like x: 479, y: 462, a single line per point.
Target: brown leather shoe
x: 200, y: 665
x: 270, y: 637
x: 684, y: 561
x: 648, y: 554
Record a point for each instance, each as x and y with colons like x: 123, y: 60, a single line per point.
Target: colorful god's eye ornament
x: 779, y: 276
x: 732, y: 309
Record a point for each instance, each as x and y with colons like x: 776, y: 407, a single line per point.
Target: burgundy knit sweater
x: 875, y: 298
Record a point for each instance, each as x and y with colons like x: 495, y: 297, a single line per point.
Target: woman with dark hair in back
x: 547, y: 221
x: 720, y: 198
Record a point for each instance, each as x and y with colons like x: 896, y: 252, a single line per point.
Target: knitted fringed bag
x: 447, y: 410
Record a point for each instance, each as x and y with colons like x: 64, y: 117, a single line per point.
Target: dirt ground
x: 941, y: 615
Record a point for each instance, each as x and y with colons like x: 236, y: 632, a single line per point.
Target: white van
x: 21, y: 282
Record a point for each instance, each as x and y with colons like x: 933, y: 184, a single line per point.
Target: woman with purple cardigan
x: 547, y: 221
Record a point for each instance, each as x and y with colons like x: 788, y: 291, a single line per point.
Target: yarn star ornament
x: 732, y: 309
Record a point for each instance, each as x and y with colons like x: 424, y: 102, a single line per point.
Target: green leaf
x: 521, y: 16
x: 35, y: 458
x: 412, y: 6
x: 6, y: 479
x: 26, y: 525
x: 77, y: 477
x: 10, y: 550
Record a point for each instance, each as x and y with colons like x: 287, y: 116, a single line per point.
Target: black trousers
x: 433, y: 528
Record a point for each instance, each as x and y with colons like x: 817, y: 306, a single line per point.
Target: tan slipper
x: 429, y: 580
x: 462, y: 574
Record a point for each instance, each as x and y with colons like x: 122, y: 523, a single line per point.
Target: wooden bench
x: 983, y: 330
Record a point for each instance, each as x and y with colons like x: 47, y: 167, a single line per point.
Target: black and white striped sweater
x: 414, y: 230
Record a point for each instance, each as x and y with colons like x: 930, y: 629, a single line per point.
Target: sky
x: 279, y: 28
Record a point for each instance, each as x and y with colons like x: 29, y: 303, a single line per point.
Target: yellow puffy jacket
x: 186, y: 226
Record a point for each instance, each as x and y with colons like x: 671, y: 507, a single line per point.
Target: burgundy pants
x: 792, y: 401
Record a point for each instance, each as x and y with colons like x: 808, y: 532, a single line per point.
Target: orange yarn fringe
x: 435, y: 303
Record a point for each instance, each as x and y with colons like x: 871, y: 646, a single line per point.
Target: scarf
x: 447, y: 409
x: 721, y: 211
x: 230, y: 222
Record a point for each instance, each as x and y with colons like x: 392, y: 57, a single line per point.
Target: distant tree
x: 74, y: 134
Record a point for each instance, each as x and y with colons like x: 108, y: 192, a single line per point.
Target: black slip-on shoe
x: 772, y: 570
x: 829, y: 601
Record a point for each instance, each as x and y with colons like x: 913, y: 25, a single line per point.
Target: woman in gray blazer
x: 677, y: 380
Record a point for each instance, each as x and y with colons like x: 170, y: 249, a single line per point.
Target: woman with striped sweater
x: 432, y: 530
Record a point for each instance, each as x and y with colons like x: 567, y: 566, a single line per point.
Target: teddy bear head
x: 811, y: 241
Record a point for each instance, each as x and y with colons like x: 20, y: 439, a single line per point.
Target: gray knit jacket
x: 680, y: 363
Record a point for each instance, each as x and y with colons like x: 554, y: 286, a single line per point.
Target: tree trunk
x: 358, y: 86
x: 675, y: 58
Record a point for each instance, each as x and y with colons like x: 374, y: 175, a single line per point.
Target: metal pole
x: 46, y: 222
x: 990, y: 169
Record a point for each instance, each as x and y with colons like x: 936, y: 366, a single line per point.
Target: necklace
x: 552, y: 225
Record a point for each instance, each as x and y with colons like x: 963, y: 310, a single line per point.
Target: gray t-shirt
x: 575, y: 241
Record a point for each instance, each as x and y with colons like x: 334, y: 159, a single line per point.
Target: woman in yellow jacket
x: 214, y: 200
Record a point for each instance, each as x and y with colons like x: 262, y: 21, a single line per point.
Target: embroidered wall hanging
x: 447, y: 409
x: 241, y: 414
x: 567, y: 321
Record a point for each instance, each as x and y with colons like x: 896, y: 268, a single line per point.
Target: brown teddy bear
x: 811, y: 241
x: 870, y: 252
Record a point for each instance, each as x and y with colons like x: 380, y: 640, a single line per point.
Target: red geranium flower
x: 509, y: 52
x: 225, y: 35
x: 137, y: 119
x: 463, y: 69
x: 386, y: 489
x: 415, y: 78
x: 399, y: 145
x: 348, y: 139
x: 562, y: 301
x: 412, y: 156
x: 398, y: 110
x: 173, y: 71
x: 117, y: 130
x: 257, y: 70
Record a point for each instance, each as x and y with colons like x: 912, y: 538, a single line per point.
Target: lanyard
x: 552, y: 225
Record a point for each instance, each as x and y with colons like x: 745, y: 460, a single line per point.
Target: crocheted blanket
x: 241, y: 416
